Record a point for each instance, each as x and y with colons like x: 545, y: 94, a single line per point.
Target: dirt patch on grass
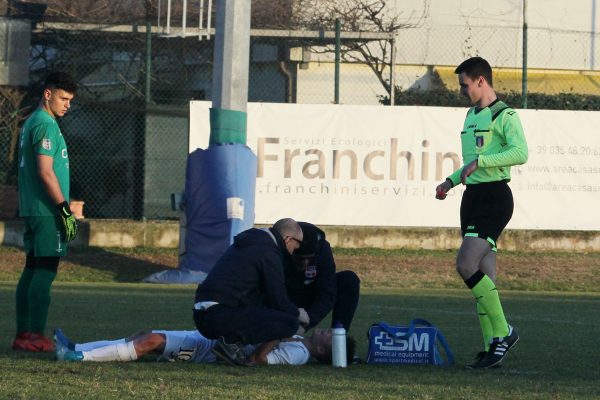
x: 524, y: 271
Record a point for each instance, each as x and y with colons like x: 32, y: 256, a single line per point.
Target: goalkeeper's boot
x: 60, y: 337
x: 499, y: 348
x: 33, y: 342
x: 21, y: 341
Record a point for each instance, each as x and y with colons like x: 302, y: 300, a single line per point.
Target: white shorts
x: 187, y: 346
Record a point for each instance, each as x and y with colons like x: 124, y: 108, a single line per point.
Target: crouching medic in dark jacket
x: 313, y: 284
x: 243, y: 299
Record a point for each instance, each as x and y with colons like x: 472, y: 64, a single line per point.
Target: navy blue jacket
x: 314, y: 288
x: 250, y: 273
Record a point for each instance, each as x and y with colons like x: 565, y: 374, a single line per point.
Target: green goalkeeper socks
x: 486, y: 294
x: 39, y: 299
x: 486, y: 327
x: 22, y: 307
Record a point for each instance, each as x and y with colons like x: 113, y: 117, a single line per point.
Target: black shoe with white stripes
x: 480, y: 356
x: 498, y: 349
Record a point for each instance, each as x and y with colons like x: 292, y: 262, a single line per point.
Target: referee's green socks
x: 486, y: 294
x: 487, y: 332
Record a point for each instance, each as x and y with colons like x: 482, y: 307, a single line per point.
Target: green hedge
x: 448, y: 98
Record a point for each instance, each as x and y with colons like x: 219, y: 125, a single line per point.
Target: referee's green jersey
x: 41, y: 135
x: 494, y: 135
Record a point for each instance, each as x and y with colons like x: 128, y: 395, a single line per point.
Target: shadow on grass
x: 125, y: 266
x: 118, y: 265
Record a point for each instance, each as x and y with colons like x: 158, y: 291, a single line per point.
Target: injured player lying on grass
x: 191, y: 346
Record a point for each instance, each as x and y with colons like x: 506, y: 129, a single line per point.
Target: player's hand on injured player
x: 301, y: 330
x: 468, y: 170
x: 68, y: 220
x: 303, y: 317
x: 441, y: 191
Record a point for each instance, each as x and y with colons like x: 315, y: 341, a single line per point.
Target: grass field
x: 556, y: 311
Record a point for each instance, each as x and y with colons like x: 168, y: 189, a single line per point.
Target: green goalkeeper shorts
x: 45, y: 236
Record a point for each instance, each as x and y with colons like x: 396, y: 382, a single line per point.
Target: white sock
x: 94, y: 345
x: 112, y: 352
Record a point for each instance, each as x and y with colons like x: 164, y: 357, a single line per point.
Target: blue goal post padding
x: 219, y: 203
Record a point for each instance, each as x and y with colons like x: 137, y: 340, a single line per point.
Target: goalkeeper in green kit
x: 44, y: 206
x: 492, y: 141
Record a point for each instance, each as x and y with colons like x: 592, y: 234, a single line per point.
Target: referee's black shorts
x: 485, y: 210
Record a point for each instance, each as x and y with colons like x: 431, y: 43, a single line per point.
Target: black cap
x: 311, y: 241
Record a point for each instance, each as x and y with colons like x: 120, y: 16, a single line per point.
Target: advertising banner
x: 379, y: 166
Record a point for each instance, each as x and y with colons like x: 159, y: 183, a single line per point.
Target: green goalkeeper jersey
x: 495, y: 136
x: 41, y: 135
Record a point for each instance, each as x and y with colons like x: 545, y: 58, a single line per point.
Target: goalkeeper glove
x: 68, y: 220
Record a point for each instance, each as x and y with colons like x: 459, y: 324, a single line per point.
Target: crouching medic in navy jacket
x: 314, y: 286
x: 243, y: 300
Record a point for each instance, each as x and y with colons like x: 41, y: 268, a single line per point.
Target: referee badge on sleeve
x: 46, y: 144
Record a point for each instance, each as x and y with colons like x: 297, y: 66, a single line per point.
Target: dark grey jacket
x: 250, y: 273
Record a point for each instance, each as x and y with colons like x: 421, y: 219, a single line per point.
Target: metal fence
x: 127, y: 129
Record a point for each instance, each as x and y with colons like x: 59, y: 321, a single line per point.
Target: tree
x: 12, y: 113
x: 359, y: 16
x: 265, y: 13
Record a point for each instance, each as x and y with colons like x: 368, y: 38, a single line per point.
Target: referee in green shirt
x: 44, y: 206
x: 492, y: 141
